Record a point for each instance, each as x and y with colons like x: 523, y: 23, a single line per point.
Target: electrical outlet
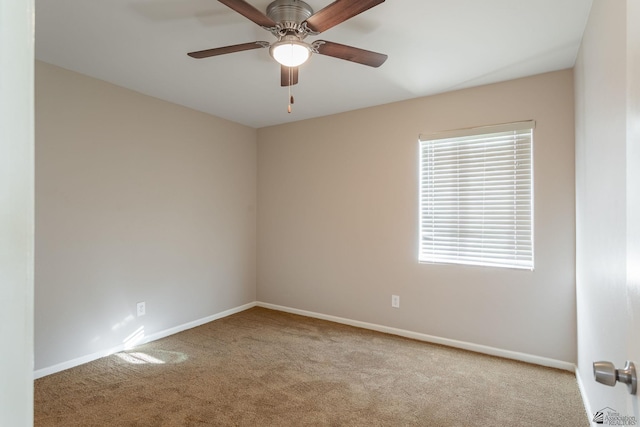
x: 395, y: 301
x: 141, y: 309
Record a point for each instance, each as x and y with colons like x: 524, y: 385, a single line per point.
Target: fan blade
x: 288, y: 76
x: 249, y: 12
x: 227, y: 49
x: 338, y: 12
x: 350, y: 53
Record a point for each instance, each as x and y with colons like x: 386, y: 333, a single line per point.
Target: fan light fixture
x: 290, y: 53
x: 291, y: 21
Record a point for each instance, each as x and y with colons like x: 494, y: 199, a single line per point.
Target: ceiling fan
x: 291, y: 21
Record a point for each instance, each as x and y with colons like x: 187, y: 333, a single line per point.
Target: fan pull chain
x: 290, y: 96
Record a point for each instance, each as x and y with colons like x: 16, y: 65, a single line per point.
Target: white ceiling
x: 434, y: 46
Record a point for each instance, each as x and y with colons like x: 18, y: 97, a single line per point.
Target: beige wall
x: 137, y: 199
x: 337, y: 221
x: 141, y: 200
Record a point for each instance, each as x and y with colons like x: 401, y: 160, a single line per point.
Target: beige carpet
x: 267, y: 368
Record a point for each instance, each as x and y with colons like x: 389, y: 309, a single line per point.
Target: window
x: 476, y: 196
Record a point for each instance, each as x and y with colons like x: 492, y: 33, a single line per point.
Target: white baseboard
x: 148, y: 338
x: 507, y: 354
x: 538, y: 360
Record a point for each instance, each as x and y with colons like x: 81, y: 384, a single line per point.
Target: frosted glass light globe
x: 290, y: 54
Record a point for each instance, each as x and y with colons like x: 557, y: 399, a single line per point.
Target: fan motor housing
x: 289, y: 14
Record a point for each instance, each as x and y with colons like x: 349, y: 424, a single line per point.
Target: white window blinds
x: 476, y: 196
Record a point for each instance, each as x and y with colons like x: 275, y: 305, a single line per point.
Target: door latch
x: 606, y: 373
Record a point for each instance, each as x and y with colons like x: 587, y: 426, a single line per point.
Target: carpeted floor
x: 267, y: 368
